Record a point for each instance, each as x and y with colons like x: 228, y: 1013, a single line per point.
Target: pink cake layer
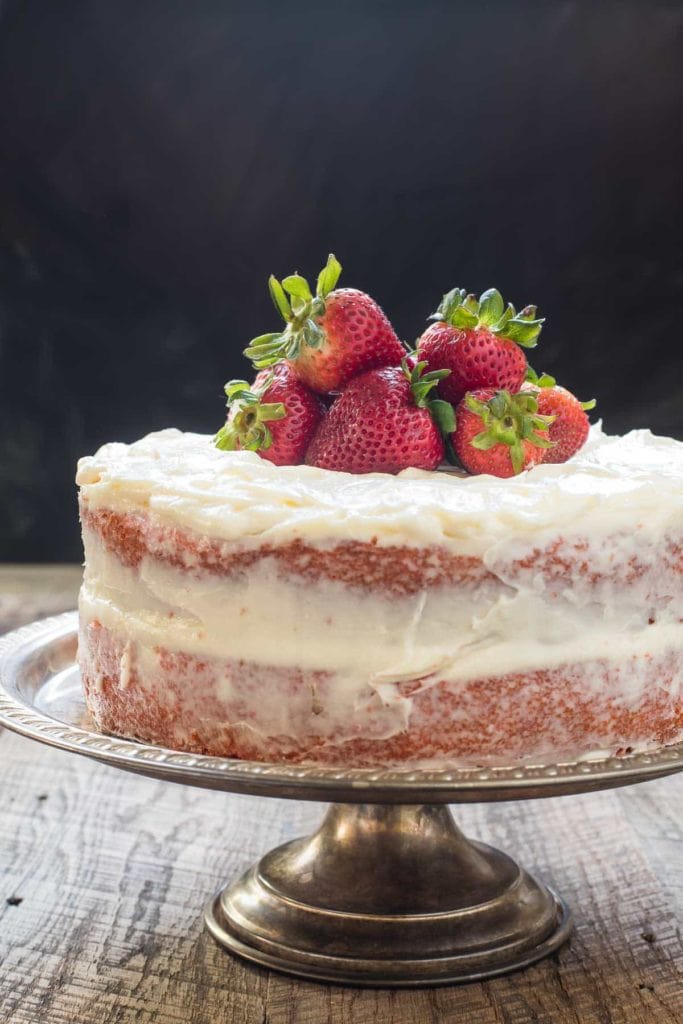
x: 179, y: 701
x: 385, y: 569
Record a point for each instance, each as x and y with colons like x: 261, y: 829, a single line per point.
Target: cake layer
x: 613, y: 486
x: 616, y: 557
x: 135, y: 536
x: 252, y: 710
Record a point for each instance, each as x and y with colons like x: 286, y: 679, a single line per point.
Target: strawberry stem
x: 328, y: 277
x: 510, y: 420
x: 300, y: 310
x: 544, y: 380
x: 422, y: 386
x: 464, y: 311
x: 247, y: 426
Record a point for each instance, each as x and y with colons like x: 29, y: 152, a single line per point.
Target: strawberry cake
x: 236, y: 607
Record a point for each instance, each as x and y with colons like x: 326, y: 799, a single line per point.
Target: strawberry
x: 478, y: 341
x: 500, y: 433
x: 570, y: 426
x: 384, y: 421
x: 330, y: 337
x: 277, y: 416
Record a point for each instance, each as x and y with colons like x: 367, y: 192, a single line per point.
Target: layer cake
x: 288, y: 613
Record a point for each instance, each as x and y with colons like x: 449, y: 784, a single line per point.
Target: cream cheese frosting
x: 613, y: 483
x: 619, y: 502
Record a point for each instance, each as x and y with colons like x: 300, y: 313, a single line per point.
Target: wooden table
x: 103, y: 876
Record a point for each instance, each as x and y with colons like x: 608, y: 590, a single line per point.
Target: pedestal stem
x: 392, y: 895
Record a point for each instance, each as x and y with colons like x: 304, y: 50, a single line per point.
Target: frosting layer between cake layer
x: 507, y: 623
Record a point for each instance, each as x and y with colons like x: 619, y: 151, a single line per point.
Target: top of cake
x: 612, y: 481
x: 344, y: 435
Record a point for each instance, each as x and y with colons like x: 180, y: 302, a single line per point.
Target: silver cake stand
x: 388, y: 891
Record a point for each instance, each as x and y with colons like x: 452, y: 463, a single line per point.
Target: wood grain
x: 103, y: 876
x: 30, y: 592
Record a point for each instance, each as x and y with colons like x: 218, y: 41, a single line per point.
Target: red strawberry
x: 570, y: 426
x: 330, y: 337
x: 276, y: 417
x: 478, y: 341
x: 500, y: 433
x: 384, y: 421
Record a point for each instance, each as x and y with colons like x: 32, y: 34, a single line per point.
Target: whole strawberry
x: 500, y: 433
x: 570, y: 426
x: 384, y: 421
x: 329, y: 337
x: 277, y: 416
x: 479, y: 341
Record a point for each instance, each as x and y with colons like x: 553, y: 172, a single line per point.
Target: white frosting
x: 622, y: 498
x: 614, y: 483
x: 325, y: 626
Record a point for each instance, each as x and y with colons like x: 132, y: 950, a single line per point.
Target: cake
x: 238, y: 608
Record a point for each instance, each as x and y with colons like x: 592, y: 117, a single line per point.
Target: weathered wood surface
x: 103, y: 876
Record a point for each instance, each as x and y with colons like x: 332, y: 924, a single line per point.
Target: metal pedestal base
x: 389, y: 895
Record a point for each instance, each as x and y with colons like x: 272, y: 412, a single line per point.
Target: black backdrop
x: 159, y: 159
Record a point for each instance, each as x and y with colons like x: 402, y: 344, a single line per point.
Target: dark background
x: 159, y: 159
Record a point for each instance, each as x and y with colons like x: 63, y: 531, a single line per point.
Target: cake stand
x: 388, y: 891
